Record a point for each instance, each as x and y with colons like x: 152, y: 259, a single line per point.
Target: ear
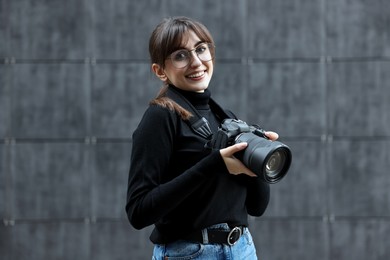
x: 159, y: 71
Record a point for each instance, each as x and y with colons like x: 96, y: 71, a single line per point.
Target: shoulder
x: 157, y: 111
x: 157, y: 118
x: 159, y: 114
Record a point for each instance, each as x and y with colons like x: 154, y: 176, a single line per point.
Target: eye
x: 201, y: 48
x: 180, y: 55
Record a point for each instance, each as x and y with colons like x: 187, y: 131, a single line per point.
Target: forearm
x: 147, y: 204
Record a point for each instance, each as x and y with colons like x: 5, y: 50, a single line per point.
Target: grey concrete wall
x: 75, y: 80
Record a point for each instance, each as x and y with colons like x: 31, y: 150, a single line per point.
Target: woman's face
x: 195, y: 76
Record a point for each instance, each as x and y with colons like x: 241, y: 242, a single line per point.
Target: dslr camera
x: 269, y: 160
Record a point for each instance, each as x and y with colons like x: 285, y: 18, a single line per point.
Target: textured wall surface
x: 75, y: 80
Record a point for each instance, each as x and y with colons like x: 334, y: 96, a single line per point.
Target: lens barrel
x: 270, y: 160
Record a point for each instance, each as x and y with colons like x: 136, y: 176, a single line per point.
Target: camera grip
x: 219, y: 140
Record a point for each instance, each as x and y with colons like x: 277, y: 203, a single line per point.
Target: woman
x: 197, y: 198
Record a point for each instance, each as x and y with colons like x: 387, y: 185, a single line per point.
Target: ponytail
x: 163, y: 101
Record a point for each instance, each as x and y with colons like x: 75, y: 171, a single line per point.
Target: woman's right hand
x: 234, y: 165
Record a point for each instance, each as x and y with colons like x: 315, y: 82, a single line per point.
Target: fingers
x: 230, y: 150
x: 271, y: 135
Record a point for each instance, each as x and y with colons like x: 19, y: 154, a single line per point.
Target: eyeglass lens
x: 181, y: 58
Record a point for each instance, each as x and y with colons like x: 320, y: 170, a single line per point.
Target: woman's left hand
x: 271, y: 135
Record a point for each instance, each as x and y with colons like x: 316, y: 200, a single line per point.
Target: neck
x: 200, y: 100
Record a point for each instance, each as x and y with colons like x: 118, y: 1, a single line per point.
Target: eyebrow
x: 195, y: 45
x: 199, y: 42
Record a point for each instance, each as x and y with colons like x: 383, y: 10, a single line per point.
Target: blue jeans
x: 243, y: 249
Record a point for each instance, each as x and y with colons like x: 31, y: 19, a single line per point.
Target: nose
x: 195, y: 61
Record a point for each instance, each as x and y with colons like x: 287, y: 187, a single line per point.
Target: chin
x: 200, y: 88
x: 195, y: 86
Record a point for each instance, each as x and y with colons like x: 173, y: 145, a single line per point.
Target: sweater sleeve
x: 258, y: 195
x: 149, y: 197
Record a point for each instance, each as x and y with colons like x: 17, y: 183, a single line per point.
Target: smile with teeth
x: 196, y: 75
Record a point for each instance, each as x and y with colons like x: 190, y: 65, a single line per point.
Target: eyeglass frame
x: 209, y: 45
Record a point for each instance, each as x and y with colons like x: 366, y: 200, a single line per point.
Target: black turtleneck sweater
x: 178, y: 185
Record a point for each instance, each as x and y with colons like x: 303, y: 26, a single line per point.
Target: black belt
x: 217, y: 236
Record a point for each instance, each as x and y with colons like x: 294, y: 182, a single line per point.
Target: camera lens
x: 270, y: 160
x: 275, y: 164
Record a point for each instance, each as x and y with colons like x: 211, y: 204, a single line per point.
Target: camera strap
x: 199, y: 124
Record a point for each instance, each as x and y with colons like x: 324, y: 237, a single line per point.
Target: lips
x: 196, y: 75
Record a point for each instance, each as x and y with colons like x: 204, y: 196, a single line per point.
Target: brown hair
x: 167, y: 37
x: 170, y: 35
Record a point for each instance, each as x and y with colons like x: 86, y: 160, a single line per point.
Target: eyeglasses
x: 181, y: 58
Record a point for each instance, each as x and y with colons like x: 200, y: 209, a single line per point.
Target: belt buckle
x: 233, y: 236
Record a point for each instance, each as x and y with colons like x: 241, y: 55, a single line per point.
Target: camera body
x: 270, y: 160
x: 235, y: 127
